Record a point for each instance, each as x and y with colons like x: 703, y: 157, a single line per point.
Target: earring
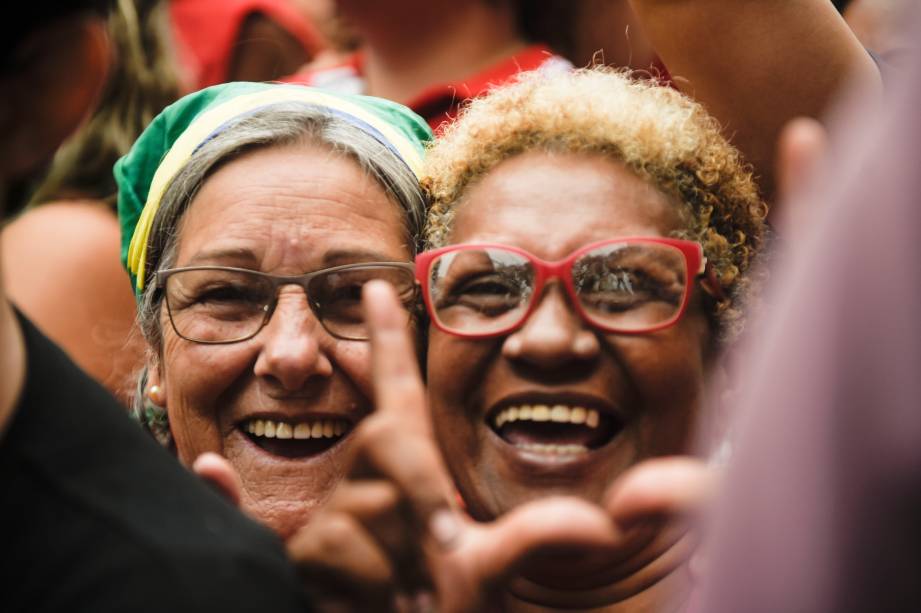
x: 154, y: 416
x: 155, y: 395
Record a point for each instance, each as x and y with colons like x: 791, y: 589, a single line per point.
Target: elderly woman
x: 592, y: 244
x: 252, y: 215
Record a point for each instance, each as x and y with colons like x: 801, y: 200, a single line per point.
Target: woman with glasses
x: 592, y: 242
x: 252, y: 216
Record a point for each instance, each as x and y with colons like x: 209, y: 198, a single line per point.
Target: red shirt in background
x: 437, y: 103
x: 206, y: 32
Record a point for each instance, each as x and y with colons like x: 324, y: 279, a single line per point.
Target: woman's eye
x: 485, y: 288
x: 347, y: 292
x: 613, y: 302
x: 342, y: 304
x: 623, y: 289
x: 488, y: 295
x: 227, y: 294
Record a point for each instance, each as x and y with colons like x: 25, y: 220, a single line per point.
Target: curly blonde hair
x: 659, y: 134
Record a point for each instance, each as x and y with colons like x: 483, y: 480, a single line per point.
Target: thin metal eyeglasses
x: 633, y: 285
x: 221, y: 304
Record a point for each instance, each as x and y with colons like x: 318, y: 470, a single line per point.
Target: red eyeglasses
x: 624, y: 285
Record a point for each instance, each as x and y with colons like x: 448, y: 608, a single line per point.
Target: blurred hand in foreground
x: 392, y: 537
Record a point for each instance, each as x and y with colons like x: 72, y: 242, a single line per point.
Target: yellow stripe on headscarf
x: 209, y: 121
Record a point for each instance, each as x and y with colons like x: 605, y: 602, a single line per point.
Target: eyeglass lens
x: 337, y: 296
x: 214, y: 305
x: 620, y: 286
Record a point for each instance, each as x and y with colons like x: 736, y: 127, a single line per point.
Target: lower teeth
x: 557, y: 449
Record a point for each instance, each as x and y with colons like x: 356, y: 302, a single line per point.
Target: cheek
x: 455, y: 369
x: 195, y: 377
x: 353, y: 358
x: 669, y: 373
x: 449, y: 367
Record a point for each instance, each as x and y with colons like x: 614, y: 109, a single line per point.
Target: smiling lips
x: 295, y: 440
x: 557, y: 429
x: 321, y: 428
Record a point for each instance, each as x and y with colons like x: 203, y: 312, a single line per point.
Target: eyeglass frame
x: 162, y: 276
x: 697, y: 267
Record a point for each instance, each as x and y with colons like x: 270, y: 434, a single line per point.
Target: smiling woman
x: 251, y: 236
x: 593, y: 246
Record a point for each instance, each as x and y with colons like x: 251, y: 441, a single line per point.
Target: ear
x: 55, y: 80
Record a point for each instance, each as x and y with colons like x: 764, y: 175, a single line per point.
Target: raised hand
x: 391, y: 537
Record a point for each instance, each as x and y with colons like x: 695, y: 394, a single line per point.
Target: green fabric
x: 134, y: 171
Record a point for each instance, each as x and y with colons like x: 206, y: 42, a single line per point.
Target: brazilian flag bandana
x: 173, y: 137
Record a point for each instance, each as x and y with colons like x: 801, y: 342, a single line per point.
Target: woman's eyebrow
x: 237, y: 255
x: 348, y: 256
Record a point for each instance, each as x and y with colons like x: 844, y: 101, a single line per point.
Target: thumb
x: 507, y: 544
x: 670, y: 486
x: 801, y: 150
x: 217, y: 472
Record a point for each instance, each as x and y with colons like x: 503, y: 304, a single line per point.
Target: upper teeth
x: 543, y: 412
x: 322, y: 428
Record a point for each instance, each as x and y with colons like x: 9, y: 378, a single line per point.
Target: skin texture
x: 603, y: 31
x: 655, y: 381
x: 286, y: 210
x: 739, y: 64
x: 97, y: 329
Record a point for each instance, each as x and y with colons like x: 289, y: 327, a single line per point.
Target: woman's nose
x: 553, y: 335
x: 292, y: 351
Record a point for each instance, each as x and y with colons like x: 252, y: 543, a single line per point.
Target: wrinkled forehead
x: 289, y: 205
x: 561, y: 202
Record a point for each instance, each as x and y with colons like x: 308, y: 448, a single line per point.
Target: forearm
x: 755, y: 64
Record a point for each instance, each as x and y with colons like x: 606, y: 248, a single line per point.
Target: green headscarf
x: 175, y: 134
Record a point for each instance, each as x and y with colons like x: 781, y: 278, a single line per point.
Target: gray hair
x: 275, y: 126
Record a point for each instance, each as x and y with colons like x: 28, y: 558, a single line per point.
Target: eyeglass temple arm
x: 709, y: 281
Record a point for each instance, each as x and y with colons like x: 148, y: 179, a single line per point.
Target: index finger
x: 397, y: 440
x: 398, y: 389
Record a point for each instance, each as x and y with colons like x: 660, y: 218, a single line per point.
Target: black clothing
x: 95, y: 516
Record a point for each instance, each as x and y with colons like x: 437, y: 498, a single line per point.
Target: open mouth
x: 295, y: 440
x: 558, y: 429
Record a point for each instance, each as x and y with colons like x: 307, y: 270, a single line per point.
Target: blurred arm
x: 755, y: 64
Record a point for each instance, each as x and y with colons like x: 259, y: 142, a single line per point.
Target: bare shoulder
x: 67, y: 253
x: 70, y: 244
x: 58, y: 226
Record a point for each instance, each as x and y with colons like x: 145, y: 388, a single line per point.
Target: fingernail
x: 445, y: 527
x: 512, y: 346
x: 423, y: 602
